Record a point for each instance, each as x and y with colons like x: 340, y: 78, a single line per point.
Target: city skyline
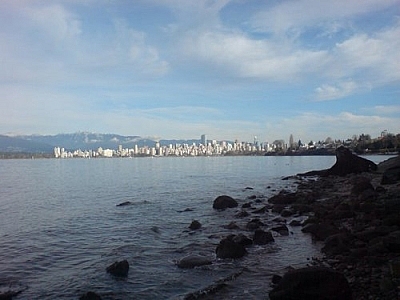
x: 170, y: 69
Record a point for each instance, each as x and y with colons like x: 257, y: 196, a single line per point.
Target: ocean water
x: 60, y: 226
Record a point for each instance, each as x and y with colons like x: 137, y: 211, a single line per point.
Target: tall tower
x: 203, y: 140
x: 291, y: 142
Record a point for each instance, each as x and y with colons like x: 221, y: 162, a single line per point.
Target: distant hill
x: 79, y: 140
x: 19, y: 145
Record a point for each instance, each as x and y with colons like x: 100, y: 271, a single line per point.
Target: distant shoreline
x: 319, y: 152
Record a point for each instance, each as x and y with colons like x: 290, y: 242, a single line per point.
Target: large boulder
x: 228, y: 248
x: 119, y: 268
x: 224, y: 201
x: 312, y: 283
x: 346, y: 163
x: 262, y: 237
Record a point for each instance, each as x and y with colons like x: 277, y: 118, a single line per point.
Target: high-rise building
x: 203, y: 140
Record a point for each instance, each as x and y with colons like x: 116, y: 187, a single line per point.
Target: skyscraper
x: 203, y: 140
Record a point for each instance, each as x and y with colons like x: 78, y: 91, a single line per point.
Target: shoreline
x: 358, y: 221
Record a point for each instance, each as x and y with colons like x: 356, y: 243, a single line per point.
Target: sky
x: 177, y: 69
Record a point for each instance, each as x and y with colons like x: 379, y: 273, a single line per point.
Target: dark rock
x: 90, y: 296
x: 9, y: 295
x: 252, y: 197
x: 282, y: 229
x: 276, y: 279
x: 391, y: 176
x: 242, y: 240
x: 261, y: 210
x: 227, y: 248
x: 316, y: 283
x: 195, y: 225
x: 287, y: 212
x: 295, y: 223
x: 262, y: 237
x: 192, y: 261
x: 346, y: 163
x: 278, y: 208
x: 361, y: 184
x: 246, y: 205
x: 320, y: 231
x: 342, y: 211
x: 284, y: 197
x: 279, y: 220
x: 224, y: 201
x: 349, y: 163
x: 126, y: 203
x: 337, y: 244
x: 185, y: 210
x: 119, y: 268
x: 232, y: 225
x: 242, y: 214
x: 392, y: 242
x: 254, y: 224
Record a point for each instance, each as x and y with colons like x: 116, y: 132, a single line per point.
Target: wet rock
x: 242, y: 240
x: 246, y: 205
x: 9, y: 295
x: 232, y: 225
x: 254, y: 224
x: 262, y: 237
x: 281, y: 229
x: 195, y: 225
x: 276, y: 279
x: 312, y: 283
x: 295, y: 223
x: 126, y: 203
x: 119, y: 268
x: 261, y: 210
x: 320, y: 231
x: 192, y: 261
x: 90, y: 296
x: 228, y: 248
x: 287, y: 212
x: 224, y: 201
x: 242, y: 214
x: 278, y: 208
x: 284, y: 197
x: 252, y: 197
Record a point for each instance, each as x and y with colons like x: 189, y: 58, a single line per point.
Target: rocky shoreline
x: 357, y: 217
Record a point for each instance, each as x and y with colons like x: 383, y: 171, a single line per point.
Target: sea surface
x: 60, y: 226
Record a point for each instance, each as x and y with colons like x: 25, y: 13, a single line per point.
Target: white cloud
x: 331, y: 92
x: 292, y: 16
x: 373, y: 57
x: 241, y: 56
x: 54, y: 19
x: 385, y: 109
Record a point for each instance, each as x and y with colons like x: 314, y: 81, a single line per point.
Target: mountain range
x: 79, y: 140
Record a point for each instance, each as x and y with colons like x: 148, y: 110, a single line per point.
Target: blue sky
x: 231, y: 69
